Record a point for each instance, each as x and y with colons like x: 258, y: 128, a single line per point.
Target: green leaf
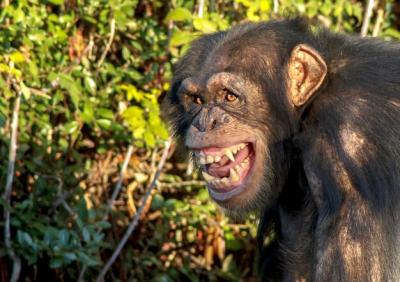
x: 24, y: 238
x: 179, y: 14
x: 25, y: 91
x: 149, y: 139
x: 204, y: 25
x: 88, y: 113
x: 70, y: 256
x: 104, y: 123
x: 71, y: 127
x: 63, y: 237
x: 90, y: 84
x: 17, y: 57
x: 86, y: 234
x: 179, y: 38
x: 56, y: 2
x: 73, y: 88
x: 56, y: 263
x: 87, y: 260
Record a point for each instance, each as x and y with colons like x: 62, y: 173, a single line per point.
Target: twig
x: 276, y: 6
x: 181, y: 184
x: 118, y: 186
x: 8, y: 190
x: 379, y: 19
x: 367, y: 17
x: 135, y: 220
x: 201, y: 9
x: 110, y: 41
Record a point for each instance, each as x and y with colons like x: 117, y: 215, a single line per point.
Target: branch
x: 379, y: 19
x: 276, y: 6
x: 367, y: 17
x: 201, y: 9
x: 108, y: 46
x: 8, y: 190
x: 181, y: 184
x: 135, y: 220
x: 118, y: 186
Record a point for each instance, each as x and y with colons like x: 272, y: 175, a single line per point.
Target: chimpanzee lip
x: 226, y: 168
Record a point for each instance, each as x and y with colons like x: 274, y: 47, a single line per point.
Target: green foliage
x: 91, y: 74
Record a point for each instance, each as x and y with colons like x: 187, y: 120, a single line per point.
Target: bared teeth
x: 204, y: 158
x: 233, y: 175
x: 229, y: 154
x: 208, y: 177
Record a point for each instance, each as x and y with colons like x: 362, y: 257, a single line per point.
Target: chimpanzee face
x: 231, y: 154
x: 227, y: 117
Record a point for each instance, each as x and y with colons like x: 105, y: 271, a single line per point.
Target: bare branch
x: 181, y: 184
x: 135, y: 220
x: 118, y: 186
x: 379, y: 19
x: 367, y: 17
x: 276, y: 6
x: 110, y: 41
x: 201, y: 9
x: 8, y: 190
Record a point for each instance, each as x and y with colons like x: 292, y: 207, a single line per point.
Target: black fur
x: 336, y: 216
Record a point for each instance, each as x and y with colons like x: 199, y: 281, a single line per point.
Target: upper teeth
x: 216, y: 156
x: 234, y: 175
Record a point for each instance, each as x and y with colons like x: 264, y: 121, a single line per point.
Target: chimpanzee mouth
x: 225, y: 169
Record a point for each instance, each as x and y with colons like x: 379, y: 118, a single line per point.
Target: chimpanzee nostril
x: 214, y: 123
x: 226, y: 119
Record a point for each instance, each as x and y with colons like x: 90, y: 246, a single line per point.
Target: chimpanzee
x: 301, y: 126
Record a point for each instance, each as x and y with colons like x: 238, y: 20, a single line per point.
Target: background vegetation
x: 81, y: 137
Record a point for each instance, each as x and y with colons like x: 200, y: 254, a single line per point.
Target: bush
x: 89, y: 76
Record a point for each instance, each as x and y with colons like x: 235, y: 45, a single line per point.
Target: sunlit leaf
x: 179, y: 14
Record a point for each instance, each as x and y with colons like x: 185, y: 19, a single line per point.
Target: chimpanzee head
x: 235, y: 103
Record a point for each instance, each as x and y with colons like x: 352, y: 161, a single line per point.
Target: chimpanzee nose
x: 209, y: 119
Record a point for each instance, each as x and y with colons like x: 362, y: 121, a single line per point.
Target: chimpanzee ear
x: 307, y: 71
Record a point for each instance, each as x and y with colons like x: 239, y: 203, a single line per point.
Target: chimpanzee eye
x: 230, y: 97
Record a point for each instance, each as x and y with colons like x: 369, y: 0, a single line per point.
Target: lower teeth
x: 234, y: 175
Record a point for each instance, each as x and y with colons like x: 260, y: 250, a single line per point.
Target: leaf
x: 56, y: 2
x: 17, y: 57
x: 86, y: 234
x: 68, y: 83
x: 70, y: 256
x: 24, y: 238
x: 88, y: 113
x: 90, y: 84
x: 204, y: 25
x: 25, y: 91
x: 104, y: 123
x: 87, y: 260
x: 63, y: 237
x: 131, y: 92
x: 105, y: 113
x: 71, y: 127
x: 149, y: 139
x: 179, y: 14
x: 56, y: 263
x: 179, y: 38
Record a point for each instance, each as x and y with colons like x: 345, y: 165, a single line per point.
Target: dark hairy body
x: 303, y: 128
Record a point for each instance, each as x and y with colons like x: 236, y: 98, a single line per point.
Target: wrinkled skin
x: 302, y: 129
